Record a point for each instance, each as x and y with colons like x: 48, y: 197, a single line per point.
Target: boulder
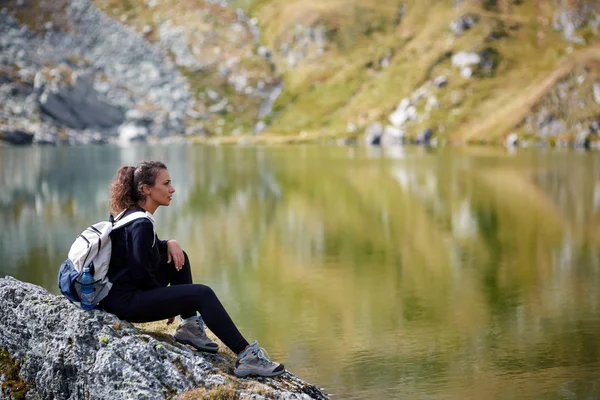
x: 16, y: 137
x: 79, y: 107
x: 63, y: 352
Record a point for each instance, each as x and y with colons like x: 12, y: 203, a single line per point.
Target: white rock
x: 432, y: 103
x: 440, y: 81
x: 130, y: 131
x: 597, y: 92
x: 404, y: 103
x: 512, y: 140
x: 464, y: 59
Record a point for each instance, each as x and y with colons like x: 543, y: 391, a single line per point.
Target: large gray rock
x: 67, y: 353
x: 18, y: 138
x: 79, y: 107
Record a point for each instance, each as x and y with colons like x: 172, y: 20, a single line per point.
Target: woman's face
x: 161, y: 193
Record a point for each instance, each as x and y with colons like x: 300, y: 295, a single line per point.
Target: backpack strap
x: 121, y: 222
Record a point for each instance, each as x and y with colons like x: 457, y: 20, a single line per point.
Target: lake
x: 403, y: 273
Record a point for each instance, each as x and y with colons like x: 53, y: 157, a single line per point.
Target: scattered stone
x: 392, y: 136
x: 568, y: 20
x: 597, y: 92
x: 432, y: 104
x: 464, y: 59
x: 582, y: 139
x: 424, y: 137
x: 259, y: 127
x: 512, y: 140
x: 440, y: 81
x: 373, y: 134
x: 132, y: 133
x: 490, y: 58
x: 403, y: 113
x: 463, y: 23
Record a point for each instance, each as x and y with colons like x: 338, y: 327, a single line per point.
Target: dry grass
x: 516, y: 108
x: 228, y: 391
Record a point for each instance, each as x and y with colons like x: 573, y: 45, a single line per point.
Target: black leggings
x: 182, y: 298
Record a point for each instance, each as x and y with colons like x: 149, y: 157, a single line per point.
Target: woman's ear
x: 145, y: 189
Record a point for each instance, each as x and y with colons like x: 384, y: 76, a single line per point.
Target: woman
x: 142, y: 267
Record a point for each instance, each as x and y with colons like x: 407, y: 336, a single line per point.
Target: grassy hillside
x: 349, y: 85
x: 346, y: 64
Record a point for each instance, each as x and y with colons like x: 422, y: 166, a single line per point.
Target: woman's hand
x: 175, y: 254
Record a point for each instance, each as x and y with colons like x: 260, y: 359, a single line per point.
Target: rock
x: 568, y: 20
x: 19, y: 138
x: 403, y: 113
x: 582, y: 139
x: 463, y: 23
x: 259, y: 127
x: 441, y: 81
x: 78, y: 106
x: 464, y: 59
x: 132, y: 133
x: 67, y: 353
x: 597, y: 92
x: 490, y: 58
x: 466, y: 72
x: 432, y: 104
x: 424, y: 138
x: 271, y: 96
x: 511, y: 140
x: 392, y: 136
x: 373, y: 134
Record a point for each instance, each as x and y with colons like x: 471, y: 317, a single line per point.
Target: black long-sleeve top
x: 135, y: 249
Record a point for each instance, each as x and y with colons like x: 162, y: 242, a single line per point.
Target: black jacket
x: 135, y: 255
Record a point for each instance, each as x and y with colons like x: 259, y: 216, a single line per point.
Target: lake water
x: 412, y: 273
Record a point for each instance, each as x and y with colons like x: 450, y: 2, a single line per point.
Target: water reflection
x: 414, y: 274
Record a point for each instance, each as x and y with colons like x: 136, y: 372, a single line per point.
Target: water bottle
x: 87, y: 289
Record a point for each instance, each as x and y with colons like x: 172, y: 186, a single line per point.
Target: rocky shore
x: 51, y: 349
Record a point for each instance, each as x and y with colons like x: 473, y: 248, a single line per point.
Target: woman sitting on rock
x: 153, y: 279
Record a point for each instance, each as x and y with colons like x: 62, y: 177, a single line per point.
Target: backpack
x: 92, y: 248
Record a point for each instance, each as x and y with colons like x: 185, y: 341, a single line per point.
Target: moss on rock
x: 12, y: 384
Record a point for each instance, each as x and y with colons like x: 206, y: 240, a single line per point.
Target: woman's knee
x: 205, y: 292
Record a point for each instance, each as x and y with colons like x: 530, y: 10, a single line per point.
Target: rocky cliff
x: 459, y: 71
x: 51, y: 349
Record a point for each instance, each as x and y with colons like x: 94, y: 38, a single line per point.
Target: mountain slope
x: 456, y: 70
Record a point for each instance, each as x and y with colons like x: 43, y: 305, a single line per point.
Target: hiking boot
x: 254, y: 361
x: 193, y: 333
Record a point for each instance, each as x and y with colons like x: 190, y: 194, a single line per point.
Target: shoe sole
x: 266, y: 375
x: 212, y: 350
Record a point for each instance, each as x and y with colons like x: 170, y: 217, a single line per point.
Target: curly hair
x: 126, y: 189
